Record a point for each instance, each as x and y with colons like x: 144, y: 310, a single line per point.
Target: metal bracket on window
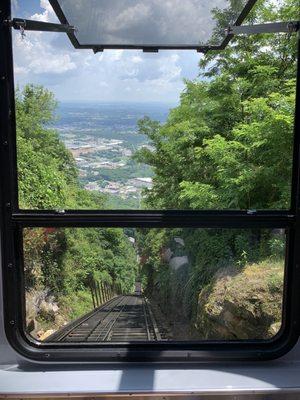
x: 29, y: 25
x: 150, y: 50
x: 275, y: 27
x: 98, y: 49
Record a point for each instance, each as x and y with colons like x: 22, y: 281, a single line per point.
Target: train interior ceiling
x: 150, y: 199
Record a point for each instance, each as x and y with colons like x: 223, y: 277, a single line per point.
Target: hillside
x: 243, y: 304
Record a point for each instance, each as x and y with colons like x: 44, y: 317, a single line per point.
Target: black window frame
x: 13, y: 220
x: 155, y: 47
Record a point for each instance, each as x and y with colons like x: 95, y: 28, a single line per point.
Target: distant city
x: 103, y: 138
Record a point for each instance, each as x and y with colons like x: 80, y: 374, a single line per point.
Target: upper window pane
x: 124, y: 129
x: 152, y: 23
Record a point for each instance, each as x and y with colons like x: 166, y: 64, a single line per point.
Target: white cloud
x: 138, y: 22
x: 137, y: 59
x: 20, y: 70
x: 47, y: 6
x: 114, y: 75
x: 57, y: 65
x: 37, y: 56
x: 47, y: 15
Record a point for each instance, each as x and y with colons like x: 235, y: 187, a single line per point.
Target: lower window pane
x: 127, y: 285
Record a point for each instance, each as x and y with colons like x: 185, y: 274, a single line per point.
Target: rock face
x: 242, y: 304
x: 41, y: 311
x: 43, y: 335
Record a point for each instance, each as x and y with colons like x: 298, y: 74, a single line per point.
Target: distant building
x: 92, y: 186
x: 141, y: 182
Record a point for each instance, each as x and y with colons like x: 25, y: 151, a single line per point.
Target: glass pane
x: 154, y: 22
x: 120, y: 285
x: 132, y: 130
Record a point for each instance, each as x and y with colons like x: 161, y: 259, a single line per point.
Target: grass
x: 76, y: 304
x: 242, y: 304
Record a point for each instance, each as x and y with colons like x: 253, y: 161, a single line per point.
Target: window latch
x: 30, y: 25
x: 251, y: 212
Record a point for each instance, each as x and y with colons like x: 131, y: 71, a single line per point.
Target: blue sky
x: 80, y: 75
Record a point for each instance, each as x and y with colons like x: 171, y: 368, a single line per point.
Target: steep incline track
x: 122, y: 319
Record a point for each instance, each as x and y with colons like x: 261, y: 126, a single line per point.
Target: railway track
x: 122, y: 319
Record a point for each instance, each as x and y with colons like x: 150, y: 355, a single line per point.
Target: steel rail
x: 74, y: 325
x: 112, y: 323
x: 153, y: 321
x: 88, y: 318
x: 104, y: 328
x: 101, y: 320
x: 146, y: 319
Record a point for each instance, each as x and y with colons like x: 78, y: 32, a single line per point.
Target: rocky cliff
x: 242, y: 304
x: 43, y: 315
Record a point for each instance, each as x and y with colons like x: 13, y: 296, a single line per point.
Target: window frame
x: 155, y: 47
x: 13, y: 220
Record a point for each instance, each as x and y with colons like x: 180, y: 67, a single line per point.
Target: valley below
x: 103, y: 139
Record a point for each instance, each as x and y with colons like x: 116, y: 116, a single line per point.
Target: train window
x: 152, y: 212
x: 179, y: 289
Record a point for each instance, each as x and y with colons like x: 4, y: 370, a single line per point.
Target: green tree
x: 62, y: 261
x: 228, y: 145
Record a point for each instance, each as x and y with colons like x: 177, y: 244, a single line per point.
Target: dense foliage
x: 63, y: 261
x: 46, y: 169
x: 228, y: 145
